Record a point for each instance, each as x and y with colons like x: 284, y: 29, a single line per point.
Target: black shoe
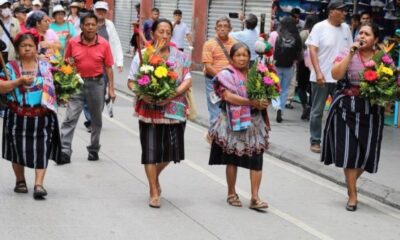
x: 88, y: 126
x: 39, y: 192
x: 279, y: 116
x: 289, y: 106
x: 93, y: 156
x: 306, y: 114
x: 64, y: 159
x: 351, y: 208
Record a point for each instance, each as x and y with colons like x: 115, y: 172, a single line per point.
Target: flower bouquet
x: 67, y: 81
x: 379, y: 80
x: 262, y: 82
x: 156, y: 77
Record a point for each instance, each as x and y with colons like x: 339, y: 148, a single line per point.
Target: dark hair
x: 34, y: 19
x: 178, y: 12
x: 374, y: 28
x: 89, y: 14
x: 288, y: 24
x: 155, y: 10
x: 251, y: 21
x: 23, y: 37
x: 161, y: 20
x: 238, y: 46
x: 366, y: 12
x: 356, y: 17
x: 311, y: 20
x: 137, y: 6
x: 295, y: 11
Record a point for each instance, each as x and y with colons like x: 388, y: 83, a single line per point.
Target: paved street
x: 108, y: 199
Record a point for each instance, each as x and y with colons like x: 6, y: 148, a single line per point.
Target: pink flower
x: 268, y: 81
x: 144, y: 80
x: 387, y: 60
x: 370, y: 64
x: 262, y: 68
x: 169, y: 64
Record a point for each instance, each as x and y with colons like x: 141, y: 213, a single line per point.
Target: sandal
x: 234, y: 200
x: 39, y: 192
x: 20, y: 187
x: 155, y: 202
x: 258, y: 204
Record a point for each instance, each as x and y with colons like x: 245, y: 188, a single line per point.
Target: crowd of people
x: 316, y: 54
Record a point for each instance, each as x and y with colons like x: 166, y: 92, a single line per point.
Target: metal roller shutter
x: 220, y: 8
x: 122, y: 21
x: 166, y: 8
x: 186, y: 6
x: 258, y: 7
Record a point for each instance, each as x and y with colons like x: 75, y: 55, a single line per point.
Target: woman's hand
x: 164, y: 102
x: 44, y: 44
x: 147, y: 99
x: 259, y: 104
x: 25, y: 80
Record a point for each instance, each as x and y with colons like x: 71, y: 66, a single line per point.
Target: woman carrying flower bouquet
x: 353, y: 131
x: 30, y: 126
x: 161, y: 129
x: 240, y: 135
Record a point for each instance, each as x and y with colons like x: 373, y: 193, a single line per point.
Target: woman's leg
x: 351, y: 180
x: 255, y: 179
x: 151, y: 173
x: 160, y: 168
x: 231, y: 173
x: 39, y: 176
x: 19, y: 172
x: 359, y: 172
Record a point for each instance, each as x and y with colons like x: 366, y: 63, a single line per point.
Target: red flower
x: 155, y: 60
x: 370, y: 75
x: 173, y: 75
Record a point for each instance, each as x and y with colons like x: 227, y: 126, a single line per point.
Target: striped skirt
x: 162, y: 142
x: 353, y: 134
x: 31, y: 141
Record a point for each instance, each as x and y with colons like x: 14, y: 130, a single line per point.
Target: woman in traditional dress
x: 240, y: 135
x: 161, y: 137
x: 353, y: 130
x: 30, y: 126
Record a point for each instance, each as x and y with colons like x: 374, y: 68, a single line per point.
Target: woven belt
x: 353, y: 91
x: 27, y: 111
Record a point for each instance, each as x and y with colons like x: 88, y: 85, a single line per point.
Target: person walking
x: 161, y: 138
x: 64, y: 29
x: 181, y: 31
x: 9, y: 31
x: 287, y: 52
x: 325, y: 41
x: 73, y: 16
x: 244, y: 147
x: 30, y: 126
x: 215, y: 57
x: 248, y: 36
x: 303, y: 71
x: 91, y: 54
x: 353, y: 130
x: 20, y: 13
x: 147, y: 25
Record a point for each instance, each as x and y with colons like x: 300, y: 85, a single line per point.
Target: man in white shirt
x: 181, y: 31
x: 325, y: 41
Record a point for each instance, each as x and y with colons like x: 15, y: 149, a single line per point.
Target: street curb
x: 379, y: 192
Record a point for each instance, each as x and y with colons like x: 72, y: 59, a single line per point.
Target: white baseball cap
x: 36, y: 2
x: 58, y: 8
x: 101, y: 5
x: 4, y: 2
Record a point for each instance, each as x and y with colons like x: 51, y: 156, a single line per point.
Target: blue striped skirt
x: 353, y: 134
x: 31, y: 141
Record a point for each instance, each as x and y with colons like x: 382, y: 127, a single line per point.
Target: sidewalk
x: 289, y: 141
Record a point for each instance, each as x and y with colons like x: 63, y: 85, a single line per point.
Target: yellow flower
x: 67, y: 69
x: 161, y: 72
x: 274, y: 77
x: 385, y: 70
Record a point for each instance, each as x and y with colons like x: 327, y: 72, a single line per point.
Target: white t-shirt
x: 179, y: 34
x: 329, y: 40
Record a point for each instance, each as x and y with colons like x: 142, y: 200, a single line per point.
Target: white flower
x: 80, y: 80
x: 146, y: 68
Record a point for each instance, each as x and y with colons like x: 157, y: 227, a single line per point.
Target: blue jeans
x: 285, y: 77
x: 213, y: 108
x: 319, y: 96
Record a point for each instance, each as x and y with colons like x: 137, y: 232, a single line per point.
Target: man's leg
x: 95, y: 103
x: 318, y: 104
x: 74, y: 109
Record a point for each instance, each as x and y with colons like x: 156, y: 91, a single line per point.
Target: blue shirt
x: 147, y: 28
x: 248, y: 37
x: 62, y: 32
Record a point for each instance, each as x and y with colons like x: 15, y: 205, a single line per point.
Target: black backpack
x: 286, y: 50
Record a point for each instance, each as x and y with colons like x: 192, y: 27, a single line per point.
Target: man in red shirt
x: 91, y: 54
